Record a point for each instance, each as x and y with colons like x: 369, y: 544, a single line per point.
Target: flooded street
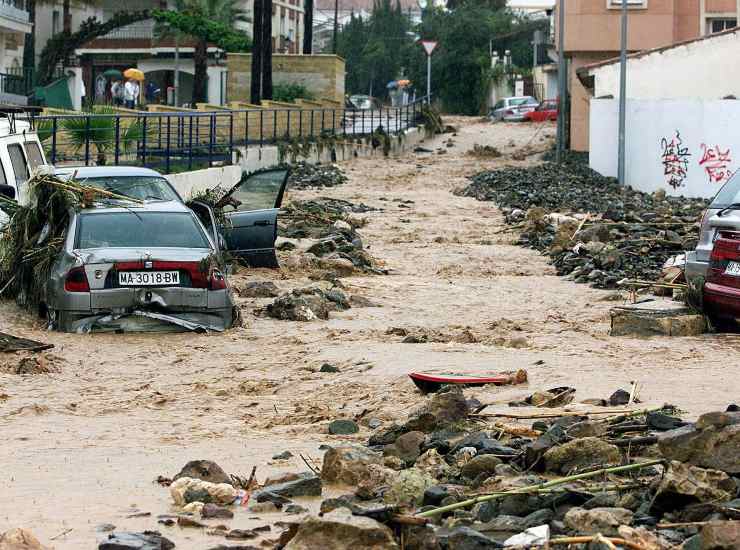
x: 84, y: 445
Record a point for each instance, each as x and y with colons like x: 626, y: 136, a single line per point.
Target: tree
x: 308, y: 27
x: 207, y: 21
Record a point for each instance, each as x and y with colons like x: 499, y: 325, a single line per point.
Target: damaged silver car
x: 138, y: 266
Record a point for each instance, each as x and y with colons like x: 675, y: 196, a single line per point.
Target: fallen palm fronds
x: 34, y: 235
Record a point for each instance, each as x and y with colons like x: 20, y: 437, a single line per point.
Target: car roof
x: 132, y: 206
x: 106, y: 171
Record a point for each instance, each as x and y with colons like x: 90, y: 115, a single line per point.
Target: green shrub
x: 288, y: 93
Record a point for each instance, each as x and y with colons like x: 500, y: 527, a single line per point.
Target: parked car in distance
x: 513, y: 109
x: 723, y: 214
x: 364, y: 102
x: 130, y: 181
x: 547, y: 110
x: 127, y: 262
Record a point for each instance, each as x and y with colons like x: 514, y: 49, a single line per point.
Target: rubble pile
x: 594, y: 230
x: 304, y: 175
x: 308, y: 304
x: 333, y: 224
x: 450, y: 476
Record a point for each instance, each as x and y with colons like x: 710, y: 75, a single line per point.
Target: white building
x: 682, y: 115
x: 14, y: 25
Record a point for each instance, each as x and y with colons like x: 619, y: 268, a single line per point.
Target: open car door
x: 251, y: 208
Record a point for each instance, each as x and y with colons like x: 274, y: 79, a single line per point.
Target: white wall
x: 700, y: 69
x: 695, y: 140
x: 44, y: 18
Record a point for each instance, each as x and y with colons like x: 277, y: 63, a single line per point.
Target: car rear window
x: 139, y: 229
x: 729, y: 194
x: 521, y: 101
x: 137, y: 187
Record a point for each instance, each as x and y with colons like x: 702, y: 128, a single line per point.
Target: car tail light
x: 218, y: 280
x: 76, y: 280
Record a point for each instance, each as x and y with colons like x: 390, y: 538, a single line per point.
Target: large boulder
x: 685, y: 484
x: 713, y: 442
x: 597, y: 520
x: 348, y: 464
x: 407, y: 447
x: 409, y: 487
x: 720, y: 535
x: 442, y: 410
x: 19, y: 539
x: 581, y: 453
x: 205, y: 470
x: 338, y: 530
x: 305, y: 484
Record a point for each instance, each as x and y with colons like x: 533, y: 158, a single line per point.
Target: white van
x: 20, y: 152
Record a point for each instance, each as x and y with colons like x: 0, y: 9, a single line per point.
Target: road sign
x: 429, y: 46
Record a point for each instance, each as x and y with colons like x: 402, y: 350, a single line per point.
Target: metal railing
x: 179, y: 141
x: 19, y: 84
x: 14, y: 9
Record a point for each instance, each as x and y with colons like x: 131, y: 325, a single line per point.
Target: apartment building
x: 14, y: 26
x: 287, y: 24
x: 592, y: 35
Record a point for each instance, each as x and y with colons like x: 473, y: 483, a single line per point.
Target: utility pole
x: 622, y: 96
x: 562, y: 83
x: 176, y: 95
x: 336, y: 27
x: 256, y: 85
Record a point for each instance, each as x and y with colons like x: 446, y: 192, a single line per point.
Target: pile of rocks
x: 304, y: 175
x: 449, y: 477
x: 333, y: 225
x: 307, y: 304
x: 627, y: 233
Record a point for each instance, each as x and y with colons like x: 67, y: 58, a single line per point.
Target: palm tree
x: 226, y: 12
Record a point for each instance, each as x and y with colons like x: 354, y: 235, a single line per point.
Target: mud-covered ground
x: 83, y: 444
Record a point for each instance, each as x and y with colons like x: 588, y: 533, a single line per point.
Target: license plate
x: 733, y: 268
x: 149, y: 278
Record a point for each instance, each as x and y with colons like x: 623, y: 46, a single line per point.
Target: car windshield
x: 729, y: 194
x: 136, y: 187
x: 521, y: 100
x: 139, y: 229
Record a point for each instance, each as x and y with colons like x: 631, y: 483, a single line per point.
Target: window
x: 20, y: 167
x: 3, y: 179
x: 719, y: 25
x: 55, y: 26
x: 140, y: 229
x: 34, y: 154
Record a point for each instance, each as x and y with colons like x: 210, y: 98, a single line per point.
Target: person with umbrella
x: 132, y: 89
x: 116, y: 87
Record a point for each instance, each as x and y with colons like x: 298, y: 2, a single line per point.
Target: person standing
x: 117, y: 92
x: 131, y: 93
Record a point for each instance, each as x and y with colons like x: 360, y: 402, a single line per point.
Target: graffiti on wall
x: 716, y: 163
x: 675, y: 159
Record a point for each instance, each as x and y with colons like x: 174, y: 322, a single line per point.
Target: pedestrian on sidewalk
x: 117, y: 92
x: 131, y: 93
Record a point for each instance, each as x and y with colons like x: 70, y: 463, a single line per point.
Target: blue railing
x: 178, y: 141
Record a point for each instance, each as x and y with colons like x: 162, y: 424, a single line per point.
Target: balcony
x: 14, y: 12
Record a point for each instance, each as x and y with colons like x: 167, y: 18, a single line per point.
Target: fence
x: 187, y: 140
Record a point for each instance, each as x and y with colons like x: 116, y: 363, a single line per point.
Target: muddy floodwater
x: 83, y: 445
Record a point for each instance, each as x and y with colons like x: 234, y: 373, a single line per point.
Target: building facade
x: 592, y: 35
x: 14, y: 26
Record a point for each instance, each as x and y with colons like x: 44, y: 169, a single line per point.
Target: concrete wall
x: 256, y: 158
x: 323, y: 75
x: 687, y: 147
x: 699, y: 69
x: 579, y: 99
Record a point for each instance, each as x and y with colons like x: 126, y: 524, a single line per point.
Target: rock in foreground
x: 339, y: 530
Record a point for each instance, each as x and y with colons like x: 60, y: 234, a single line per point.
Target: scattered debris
x: 304, y: 175
x: 307, y: 304
x: 484, y: 151
x: 656, y: 317
x: 25, y: 363
x: 432, y: 382
x: 148, y: 540
x: 10, y: 344
x: 594, y: 231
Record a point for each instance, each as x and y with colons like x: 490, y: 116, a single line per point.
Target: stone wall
x: 323, y: 75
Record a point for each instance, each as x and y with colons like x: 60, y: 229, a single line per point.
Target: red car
x: 547, y: 110
x: 722, y: 285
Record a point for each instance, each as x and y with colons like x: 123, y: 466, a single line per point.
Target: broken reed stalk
x: 555, y: 414
x: 588, y: 539
x: 537, y: 488
x: 609, y: 488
